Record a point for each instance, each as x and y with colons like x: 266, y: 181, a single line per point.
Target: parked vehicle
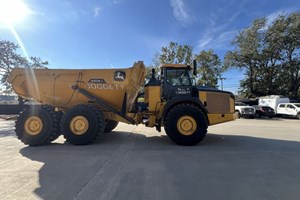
x: 264, y: 111
x: 244, y: 110
x: 273, y: 101
x: 289, y: 109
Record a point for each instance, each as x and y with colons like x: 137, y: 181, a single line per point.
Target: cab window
x: 290, y: 106
x: 178, y: 77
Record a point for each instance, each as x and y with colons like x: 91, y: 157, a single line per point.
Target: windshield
x: 298, y: 105
x: 177, y: 77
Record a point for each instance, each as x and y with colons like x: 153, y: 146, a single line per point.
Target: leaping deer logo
x: 120, y: 76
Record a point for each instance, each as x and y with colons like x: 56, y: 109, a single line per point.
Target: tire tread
x: 168, y: 127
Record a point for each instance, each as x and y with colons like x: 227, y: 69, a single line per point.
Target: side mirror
x: 194, y: 67
x: 153, y: 73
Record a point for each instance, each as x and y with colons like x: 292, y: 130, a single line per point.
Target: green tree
x: 270, y: 56
x: 9, y: 59
x: 174, y: 53
x: 290, y: 54
x: 248, y: 47
x: 210, y: 68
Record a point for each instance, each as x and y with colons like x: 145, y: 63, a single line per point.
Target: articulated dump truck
x: 82, y: 104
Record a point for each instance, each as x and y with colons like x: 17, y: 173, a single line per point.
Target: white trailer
x: 273, y: 101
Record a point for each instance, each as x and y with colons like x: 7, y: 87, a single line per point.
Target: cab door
x: 177, y: 83
x: 281, y: 109
x: 291, y: 110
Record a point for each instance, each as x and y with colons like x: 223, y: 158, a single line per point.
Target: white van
x: 289, y: 109
x: 272, y: 101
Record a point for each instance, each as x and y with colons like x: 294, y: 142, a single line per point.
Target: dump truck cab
x: 175, y: 89
x: 177, y: 82
x: 174, y: 84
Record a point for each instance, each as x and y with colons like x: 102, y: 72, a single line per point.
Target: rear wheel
x: 82, y: 124
x: 257, y: 115
x: 110, y: 125
x: 185, y: 124
x: 298, y: 115
x: 37, y: 125
x: 58, y: 116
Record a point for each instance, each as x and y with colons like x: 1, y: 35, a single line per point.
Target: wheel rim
x: 186, y: 125
x: 33, y: 125
x: 79, y: 125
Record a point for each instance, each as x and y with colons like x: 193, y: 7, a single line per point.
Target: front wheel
x: 185, y: 124
x: 238, y: 114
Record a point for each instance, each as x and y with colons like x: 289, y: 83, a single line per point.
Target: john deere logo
x: 120, y: 76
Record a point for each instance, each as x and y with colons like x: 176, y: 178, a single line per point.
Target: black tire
x: 238, y: 114
x: 257, y: 115
x: 110, y: 125
x: 92, y: 129
x: 298, y: 115
x: 192, y: 113
x: 58, y: 116
x: 37, y: 125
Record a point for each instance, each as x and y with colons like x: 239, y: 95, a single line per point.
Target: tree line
x: 210, y: 64
x: 268, y: 53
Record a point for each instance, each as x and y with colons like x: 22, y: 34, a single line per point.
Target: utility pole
x: 222, y: 78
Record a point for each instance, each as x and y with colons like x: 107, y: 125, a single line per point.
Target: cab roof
x: 174, y: 65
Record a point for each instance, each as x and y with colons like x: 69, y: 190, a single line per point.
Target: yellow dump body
x: 53, y: 86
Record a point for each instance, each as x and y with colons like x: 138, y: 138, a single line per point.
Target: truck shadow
x: 125, y: 165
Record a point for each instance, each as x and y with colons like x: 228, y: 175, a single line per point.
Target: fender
x: 178, y: 100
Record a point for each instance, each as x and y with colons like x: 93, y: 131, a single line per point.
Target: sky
x: 116, y: 33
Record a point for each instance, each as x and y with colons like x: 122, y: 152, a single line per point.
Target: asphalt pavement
x: 243, y: 159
